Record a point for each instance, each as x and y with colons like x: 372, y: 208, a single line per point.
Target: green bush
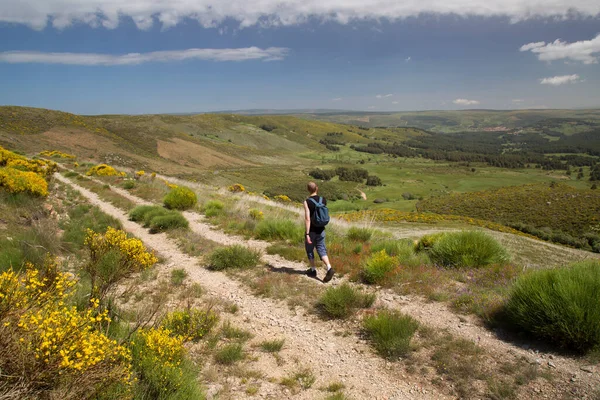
x: 161, y: 378
x: 343, y: 301
x: 212, y: 208
x: 82, y: 218
x: 390, y: 332
x: 467, y: 249
x: 178, y: 276
x: 233, y: 257
x: 279, y: 229
x: 163, y: 223
x: 180, y: 198
x: 403, y: 250
x: 426, y: 242
x: 229, y: 354
x: 128, y: 185
x: 359, y: 234
x: 193, y: 324
x: 272, y: 346
x: 559, y: 305
x: 138, y: 213
x: 379, y: 268
x: 158, y: 219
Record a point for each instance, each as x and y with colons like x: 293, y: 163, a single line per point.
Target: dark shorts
x: 318, y: 242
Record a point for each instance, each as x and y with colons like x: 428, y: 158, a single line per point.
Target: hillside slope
x: 177, y: 144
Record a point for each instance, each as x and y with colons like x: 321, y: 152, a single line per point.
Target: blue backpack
x: 320, y: 217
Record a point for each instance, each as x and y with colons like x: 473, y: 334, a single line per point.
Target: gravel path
x: 311, y: 341
x: 339, y: 358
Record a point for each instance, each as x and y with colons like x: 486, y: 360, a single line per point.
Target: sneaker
x: 329, y: 275
x: 311, y: 273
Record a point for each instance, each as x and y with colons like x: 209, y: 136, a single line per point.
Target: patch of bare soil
x: 189, y: 153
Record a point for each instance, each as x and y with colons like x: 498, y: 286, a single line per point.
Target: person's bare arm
x: 307, y: 221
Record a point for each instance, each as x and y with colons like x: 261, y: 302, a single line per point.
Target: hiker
x: 316, y: 216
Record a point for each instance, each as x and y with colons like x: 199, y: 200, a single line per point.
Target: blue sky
x: 338, y: 54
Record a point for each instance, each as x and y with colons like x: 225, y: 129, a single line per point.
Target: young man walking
x: 314, y: 233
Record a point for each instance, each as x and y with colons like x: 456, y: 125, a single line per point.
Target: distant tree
x: 374, y: 180
x: 268, y: 127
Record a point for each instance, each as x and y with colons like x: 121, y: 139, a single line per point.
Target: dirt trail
x: 433, y: 314
x: 310, y: 341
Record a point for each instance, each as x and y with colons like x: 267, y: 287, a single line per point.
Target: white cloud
x: 560, y: 80
x: 239, y: 54
x: 337, y: 99
x: 371, y: 107
x: 408, y: 59
x: 465, y: 102
x: 583, y: 50
x: 212, y: 13
x: 518, y: 101
x: 383, y: 96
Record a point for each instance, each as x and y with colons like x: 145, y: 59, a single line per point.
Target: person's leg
x: 310, y: 253
x: 322, y: 251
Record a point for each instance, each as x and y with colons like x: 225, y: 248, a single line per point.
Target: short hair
x: 312, y: 187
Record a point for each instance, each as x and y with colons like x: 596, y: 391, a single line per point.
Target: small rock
x: 551, y: 364
x: 587, y: 368
x: 537, y: 361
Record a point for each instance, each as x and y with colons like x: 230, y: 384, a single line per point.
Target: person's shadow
x: 289, y: 271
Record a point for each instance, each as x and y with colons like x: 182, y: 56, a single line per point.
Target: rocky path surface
x: 348, y: 359
x: 312, y: 342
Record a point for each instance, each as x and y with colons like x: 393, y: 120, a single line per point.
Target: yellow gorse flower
x: 102, y: 170
x: 56, y: 153
x: 135, y: 256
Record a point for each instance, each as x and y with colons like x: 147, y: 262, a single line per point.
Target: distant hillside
x: 178, y: 144
x: 540, y: 121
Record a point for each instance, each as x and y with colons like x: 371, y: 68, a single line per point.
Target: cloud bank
x: 383, y: 96
x: 212, y: 13
x: 583, y: 51
x: 560, y: 80
x: 465, y: 102
x: 91, y: 59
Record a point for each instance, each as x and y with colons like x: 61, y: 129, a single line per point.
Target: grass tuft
x: 178, y: 276
x: 343, y: 301
x: 180, y: 198
x: 359, y: 234
x: 390, y: 332
x: 279, y: 229
x: 233, y: 257
x: 467, y: 249
x: 559, y: 305
x: 272, y: 346
x: 229, y: 354
x: 379, y: 268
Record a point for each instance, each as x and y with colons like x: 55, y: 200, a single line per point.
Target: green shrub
x: 158, y: 219
x: 180, y: 198
x: 128, y: 185
x: 379, y: 268
x: 426, y: 242
x: 162, y: 371
x: 193, y: 324
x: 172, y: 220
x: 359, y: 234
x: 272, y: 346
x: 229, y: 354
x: 231, y: 332
x: 559, y: 305
x: 139, y: 212
x: 390, y: 332
x: 279, y: 229
x: 343, y: 301
x: 403, y: 250
x: 82, y: 218
x: 233, y: 257
x: 178, y: 276
x: 467, y: 249
x: 212, y: 208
